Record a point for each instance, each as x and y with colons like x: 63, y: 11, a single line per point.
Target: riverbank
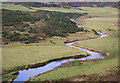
x: 103, y: 21
x: 21, y: 55
x: 84, y: 69
x: 110, y: 75
x: 38, y: 52
x: 58, y: 59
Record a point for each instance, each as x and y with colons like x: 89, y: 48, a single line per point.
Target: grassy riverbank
x: 104, y: 21
x: 18, y: 54
x: 85, y: 69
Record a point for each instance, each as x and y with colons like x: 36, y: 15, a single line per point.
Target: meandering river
x: 25, y: 74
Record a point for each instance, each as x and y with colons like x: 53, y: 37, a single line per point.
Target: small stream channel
x: 25, y: 74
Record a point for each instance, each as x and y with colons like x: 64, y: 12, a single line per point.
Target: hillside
x: 30, y: 27
x: 60, y: 42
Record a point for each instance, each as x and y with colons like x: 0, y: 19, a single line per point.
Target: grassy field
x: 18, y: 54
x: 15, y: 7
x: 106, y: 11
x: 16, y: 51
x: 85, y: 69
x: 100, y: 20
x: 104, y: 19
x: 100, y: 11
x: 23, y: 8
x: 106, y: 24
x: 107, y: 44
x: 101, y: 23
x: 71, y: 10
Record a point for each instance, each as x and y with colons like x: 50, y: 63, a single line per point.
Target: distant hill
x: 69, y: 4
x: 66, y: 4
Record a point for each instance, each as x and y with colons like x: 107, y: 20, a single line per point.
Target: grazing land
x: 46, y: 42
x: 104, y: 22
x: 15, y: 7
x: 21, y: 53
x: 71, y: 10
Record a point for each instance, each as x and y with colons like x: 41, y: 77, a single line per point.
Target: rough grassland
x: 86, y: 69
x: 106, y: 24
x: 71, y: 10
x: 101, y: 11
x: 18, y: 54
x: 23, y: 8
x: 103, y: 19
x: 99, y: 21
x: 102, y: 23
x: 15, y: 7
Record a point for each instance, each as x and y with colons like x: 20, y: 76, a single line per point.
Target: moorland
x: 35, y: 33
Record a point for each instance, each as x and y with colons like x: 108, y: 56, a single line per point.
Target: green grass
x: 71, y: 10
x: 17, y: 54
x: 100, y: 11
x: 6, y: 76
x: 23, y: 8
x: 81, y: 35
x: 103, y: 44
x: 103, y: 21
x: 15, y: 7
x: 77, y: 62
x: 107, y: 44
x: 86, y: 69
x: 93, y: 11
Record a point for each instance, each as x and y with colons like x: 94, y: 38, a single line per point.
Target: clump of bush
x: 55, y: 24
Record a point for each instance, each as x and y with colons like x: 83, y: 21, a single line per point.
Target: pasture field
x: 71, y: 10
x: 18, y: 54
x: 16, y: 7
x: 104, y: 19
x: 106, y: 23
x: 99, y: 21
x: 85, y: 69
x: 33, y: 9
x: 100, y: 11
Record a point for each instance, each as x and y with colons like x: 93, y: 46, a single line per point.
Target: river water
x: 25, y: 74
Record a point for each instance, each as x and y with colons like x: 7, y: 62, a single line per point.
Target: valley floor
x: 103, y: 21
x: 17, y: 55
